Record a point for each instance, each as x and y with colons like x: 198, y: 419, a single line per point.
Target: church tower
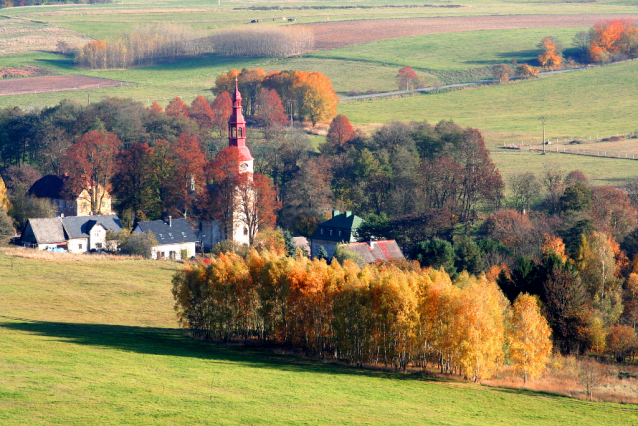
x: 237, y: 139
x: 237, y: 133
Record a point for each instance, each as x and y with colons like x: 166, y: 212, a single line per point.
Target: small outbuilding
x: 176, y: 239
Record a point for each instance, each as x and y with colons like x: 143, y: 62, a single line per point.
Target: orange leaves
x: 529, y: 338
x: 177, y: 107
x: 609, y: 38
x: 549, y: 56
x: 376, y: 314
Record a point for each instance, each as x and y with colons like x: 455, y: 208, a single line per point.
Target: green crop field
x: 95, y: 342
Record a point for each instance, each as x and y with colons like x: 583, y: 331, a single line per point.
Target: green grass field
x: 95, y: 342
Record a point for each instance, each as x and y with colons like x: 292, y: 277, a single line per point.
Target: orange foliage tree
x: 529, y: 338
x: 549, y: 56
x: 176, y: 107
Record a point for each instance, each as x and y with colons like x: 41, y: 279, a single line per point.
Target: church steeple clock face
x: 243, y: 167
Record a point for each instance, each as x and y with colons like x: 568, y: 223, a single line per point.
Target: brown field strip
x: 331, y: 35
x: 54, y: 83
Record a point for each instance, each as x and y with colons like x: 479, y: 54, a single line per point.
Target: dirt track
x: 54, y: 83
x: 330, y: 35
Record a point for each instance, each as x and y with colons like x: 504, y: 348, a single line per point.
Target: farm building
x: 77, y: 234
x: 174, y: 236
x: 339, y: 229
x: 51, y: 187
x: 376, y: 251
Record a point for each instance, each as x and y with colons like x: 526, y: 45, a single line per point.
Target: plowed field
x: 54, y: 83
x: 331, y: 35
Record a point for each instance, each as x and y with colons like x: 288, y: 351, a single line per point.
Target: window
x: 331, y: 232
x: 239, y: 132
x: 245, y: 231
x: 98, y: 245
x: 170, y: 235
x: 184, y: 234
x: 79, y: 246
x: 322, y: 232
x: 233, y: 132
x: 161, y: 236
x: 339, y: 233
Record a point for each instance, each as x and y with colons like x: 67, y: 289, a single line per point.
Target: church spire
x: 237, y: 127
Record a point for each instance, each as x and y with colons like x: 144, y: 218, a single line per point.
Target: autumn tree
x: 609, y: 38
x: 339, y: 134
x: 525, y: 71
x: 316, y: 100
x: 201, y: 111
x: 525, y: 189
x: 176, y: 107
x: 502, y: 73
x: 90, y: 163
x: 613, y: 212
x: 189, y: 171
x: 529, y: 338
x: 549, y: 56
x: 256, y: 202
x: 270, y: 110
x: 407, y: 79
x: 5, y: 204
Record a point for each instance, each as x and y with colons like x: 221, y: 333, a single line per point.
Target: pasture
x: 94, y: 341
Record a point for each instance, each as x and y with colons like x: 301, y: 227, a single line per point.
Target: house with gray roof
x: 77, y: 234
x: 174, y: 237
x: 339, y: 229
x: 68, y: 203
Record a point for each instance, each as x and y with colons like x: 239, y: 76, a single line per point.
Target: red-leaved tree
x: 201, y: 111
x: 177, y: 107
x: 90, y: 163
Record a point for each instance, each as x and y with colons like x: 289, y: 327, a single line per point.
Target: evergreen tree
x: 322, y: 253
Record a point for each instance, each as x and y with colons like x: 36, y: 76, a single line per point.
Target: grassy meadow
x: 90, y: 341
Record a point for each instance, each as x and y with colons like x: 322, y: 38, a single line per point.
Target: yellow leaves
x: 529, y: 338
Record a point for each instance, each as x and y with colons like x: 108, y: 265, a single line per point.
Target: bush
x: 137, y: 244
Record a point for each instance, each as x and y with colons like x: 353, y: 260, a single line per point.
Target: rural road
x: 447, y: 86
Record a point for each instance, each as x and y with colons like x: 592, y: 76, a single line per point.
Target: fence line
x: 573, y: 151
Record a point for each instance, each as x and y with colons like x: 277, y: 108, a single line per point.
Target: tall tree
x: 90, y: 163
x: 550, y: 56
x: 339, y: 134
x: 133, y: 180
x: 529, y: 338
x: 270, y: 110
x: 201, y: 111
x: 176, y: 107
x: 407, y: 79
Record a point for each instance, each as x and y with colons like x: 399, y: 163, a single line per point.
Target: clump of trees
x: 395, y: 315
x: 608, y: 41
x: 143, y: 46
x: 309, y: 95
x: 18, y: 3
x: 263, y: 41
x: 408, y: 79
x: 550, y: 55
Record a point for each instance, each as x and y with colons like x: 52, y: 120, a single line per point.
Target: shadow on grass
x: 173, y: 342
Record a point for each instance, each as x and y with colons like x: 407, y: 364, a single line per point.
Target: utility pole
x: 88, y: 98
x: 543, y: 118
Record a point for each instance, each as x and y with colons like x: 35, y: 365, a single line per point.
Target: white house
x: 173, y: 236
x: 77, y: 234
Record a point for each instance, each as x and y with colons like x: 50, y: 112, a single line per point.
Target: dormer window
x: 184, y: 234
x: 170, y: 235
x: 161, y: 236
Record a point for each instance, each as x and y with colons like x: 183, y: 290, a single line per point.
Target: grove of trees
x: 395, y: 315
x: 263, y: 41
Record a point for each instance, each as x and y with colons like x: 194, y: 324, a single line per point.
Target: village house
x: 51, y: 187
x: 339, y: 229
x: 76, y: 234
x: 176, y: 240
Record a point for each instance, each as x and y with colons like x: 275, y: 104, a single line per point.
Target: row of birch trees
x: 397, y: 315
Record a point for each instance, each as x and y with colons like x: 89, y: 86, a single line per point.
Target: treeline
x: 310, y: 95
x: 18, y: 3
x: 263, y: 41
x: 395, y: 315
x: 143, y: 46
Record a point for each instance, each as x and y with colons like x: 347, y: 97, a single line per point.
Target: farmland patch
x: 330, y: 35
x: 54, y: 83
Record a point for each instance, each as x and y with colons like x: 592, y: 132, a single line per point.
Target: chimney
x: 348, y: 214
x: 335, y: 213
x: 170, y: 222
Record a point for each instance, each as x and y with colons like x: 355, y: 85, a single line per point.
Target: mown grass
x: 597, y: 101
x: 454, y: 51
x: 94, y: 342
